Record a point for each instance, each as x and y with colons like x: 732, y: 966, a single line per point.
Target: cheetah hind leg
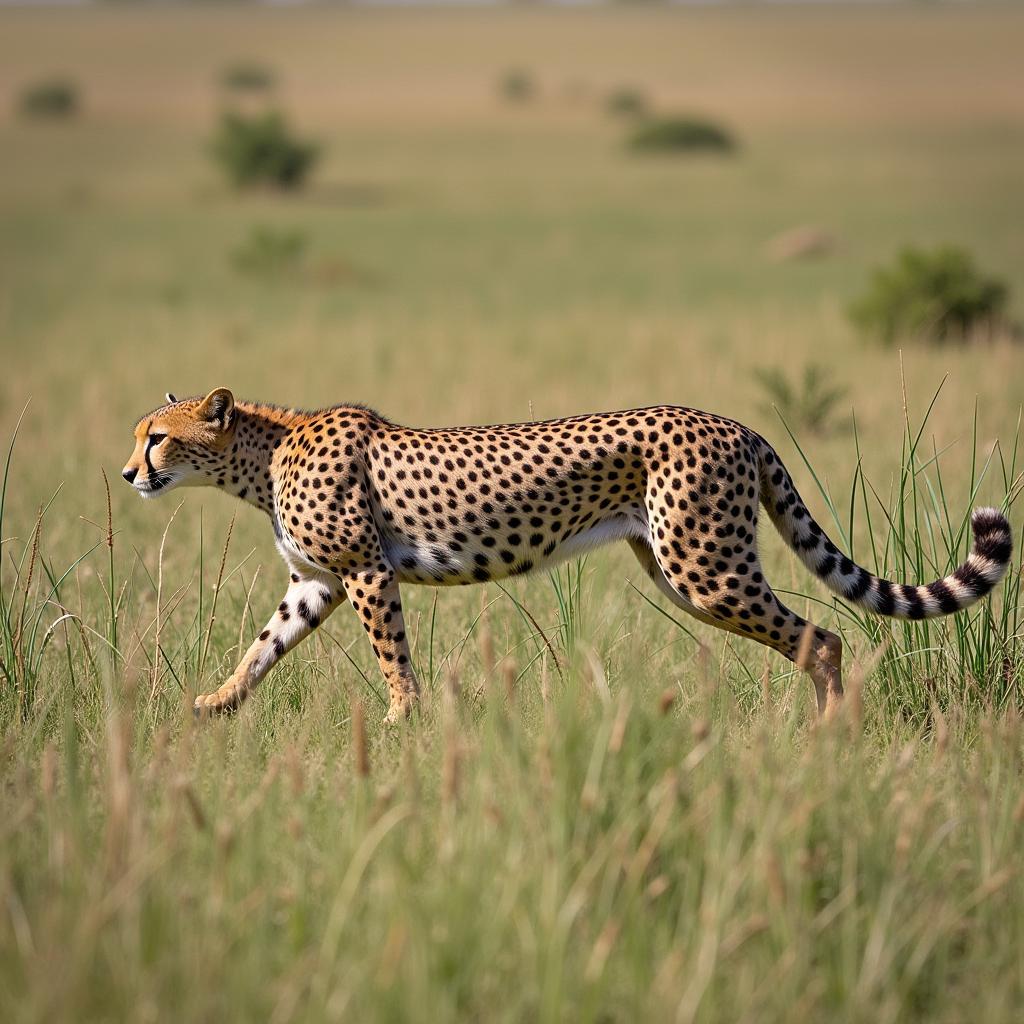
x: 375, y: 596
x: 767, y: 620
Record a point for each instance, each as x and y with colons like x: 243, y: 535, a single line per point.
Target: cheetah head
x: 181, y: 443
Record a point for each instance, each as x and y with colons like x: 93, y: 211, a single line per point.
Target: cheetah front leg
x: 310, y: 599
x: 375, y: 596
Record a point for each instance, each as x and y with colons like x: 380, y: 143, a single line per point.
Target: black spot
x: 312, y: 620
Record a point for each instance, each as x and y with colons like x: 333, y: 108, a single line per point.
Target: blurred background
x: 490, y: 214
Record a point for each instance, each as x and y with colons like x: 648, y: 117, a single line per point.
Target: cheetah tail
x: 985, y: 566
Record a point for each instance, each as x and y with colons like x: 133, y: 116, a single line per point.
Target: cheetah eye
x: 155, y: 439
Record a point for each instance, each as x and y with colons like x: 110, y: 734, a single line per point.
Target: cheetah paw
x: 398, y: 714
x: 223, y: 702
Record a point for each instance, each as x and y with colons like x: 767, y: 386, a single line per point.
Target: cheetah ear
x: 217, y: 407
x: 170, y: 398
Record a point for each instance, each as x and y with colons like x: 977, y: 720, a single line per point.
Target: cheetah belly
x: 435, y: 565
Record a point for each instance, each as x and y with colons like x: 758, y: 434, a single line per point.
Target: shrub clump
x: 269, y: 252
x: 680, y: 134
x: 260, y: 149
x: 626, y: 102
x: 806, y: 403
x: 52, y: 97
x: 248, y: 76
x: 937, y: 295
x: 517, y: 86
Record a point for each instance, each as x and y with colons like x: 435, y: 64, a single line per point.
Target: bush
x: 270, y: 252
x: 516, y: 86
x: 248, y: 76
x: 936, y: 295
x: 53, y: 97
x: 626, y: 102
x: 260, y: 149
x: 808, y: 404
x: 680, y: 135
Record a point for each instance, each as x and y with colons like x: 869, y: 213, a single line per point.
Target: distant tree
x: 626, y: 101
x: 680, y: 134
x: 248, y: 76
x: 51, y: 97
x: 517, y: 86
x: 260, y: 149
x: 936, y: 294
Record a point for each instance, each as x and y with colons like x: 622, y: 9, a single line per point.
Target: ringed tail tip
x: 993, y: 544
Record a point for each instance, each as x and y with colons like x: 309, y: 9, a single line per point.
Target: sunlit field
x: 604, y: 812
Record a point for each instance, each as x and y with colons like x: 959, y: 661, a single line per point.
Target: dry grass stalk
x: 658, y: 887
x: 195, y: 808
x: 593, y: 673
x: 941, y: 730
x: 853, y: 702
x: 245, y: 609
x: 453, y: 687
x: 296, y: 771
x: 705, y: 676
x: 119, y: 792
x: 452, y: 753
x: 1018, y: 811
x: 509, y: 671
x: 544, y: 767
x: 486, y: 646
x: 754, y: 925
x: 48, y: 771
x: 775, y: 879
x: 803, y: 651
x: 391, y: 954
x: 601, y: 951
x: 110, y: 512
x: 157, y: 664
x: 618, y: 733
x: 451, y: 763
x: 19, y: 653
x: 359, y: 743
x: 216, y: 593
x: 854, y: 696
x: 669, y: 785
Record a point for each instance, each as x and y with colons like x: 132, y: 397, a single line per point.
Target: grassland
x: 639, y: 822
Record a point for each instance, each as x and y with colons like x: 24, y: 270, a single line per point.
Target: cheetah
x: 360, y: 506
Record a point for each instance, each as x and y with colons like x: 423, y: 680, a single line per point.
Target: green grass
x: 605, y: 812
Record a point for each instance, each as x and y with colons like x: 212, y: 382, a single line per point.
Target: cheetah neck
x: 245, y: 467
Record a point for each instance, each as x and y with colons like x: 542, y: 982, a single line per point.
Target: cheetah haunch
x: 360, y: 506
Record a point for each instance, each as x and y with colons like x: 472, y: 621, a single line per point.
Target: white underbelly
x: 435, y: 565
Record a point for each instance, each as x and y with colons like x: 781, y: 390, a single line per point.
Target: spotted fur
x: 360, y: 505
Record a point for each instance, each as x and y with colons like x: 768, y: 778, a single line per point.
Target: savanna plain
x: 604, y: 812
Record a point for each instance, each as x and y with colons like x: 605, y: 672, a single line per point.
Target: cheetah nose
x: 129, y: 474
